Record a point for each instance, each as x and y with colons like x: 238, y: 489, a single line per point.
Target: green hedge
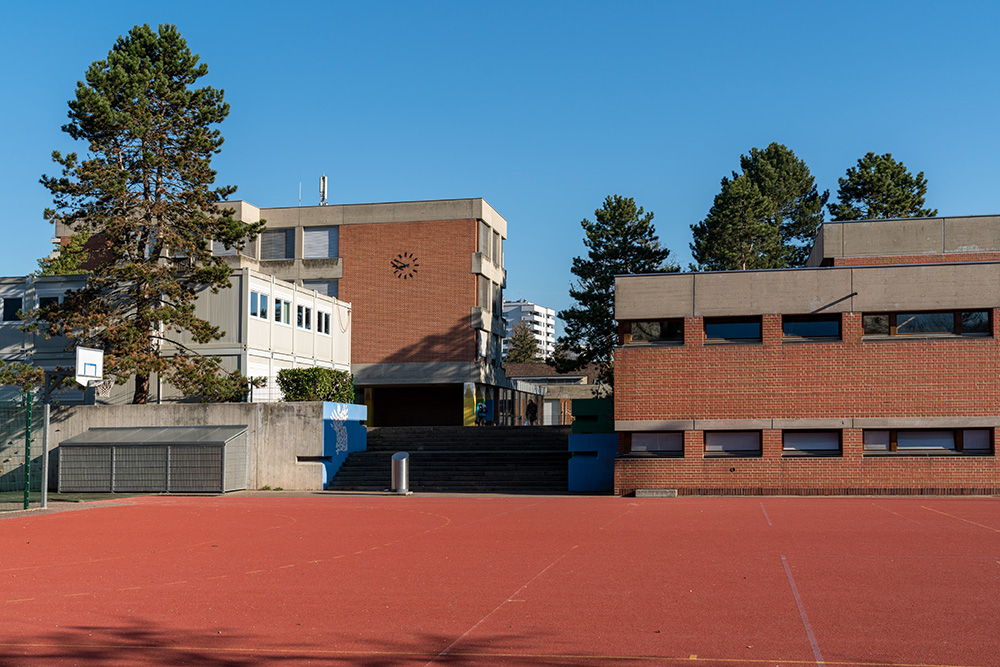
x: 316, y: 384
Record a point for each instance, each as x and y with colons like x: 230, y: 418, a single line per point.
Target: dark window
x: 11, y: 307
x: 811, y: 442
x: 732, y: 443
x: 971, y: 440
x: 875, y: 325
x: 658, y: 331
x: 47, y: 301
x: 277, y: 244
x: 945, y: 323
x: 924, y: 323
x: 811, y: 326
x: 744, y: 329
x: 975, y: 322
x: 666, y: 443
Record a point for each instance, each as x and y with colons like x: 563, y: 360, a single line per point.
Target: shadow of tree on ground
x: 140, y: 643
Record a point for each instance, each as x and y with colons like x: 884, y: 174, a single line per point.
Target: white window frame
x: 323, y: 318
x: 284, y: 310
x: 303, y: 317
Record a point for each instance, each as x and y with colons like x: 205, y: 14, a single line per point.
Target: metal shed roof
x: 156, y: 435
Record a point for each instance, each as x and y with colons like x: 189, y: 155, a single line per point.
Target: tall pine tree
x: 620, y: 240
x: 146, y: 187
x: 764, y: 217
x: 879, y: 187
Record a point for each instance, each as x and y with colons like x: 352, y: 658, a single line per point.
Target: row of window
x: 821, y: 442
x: 279, y: 244
x: 821, y: 327
x: 283, y: 313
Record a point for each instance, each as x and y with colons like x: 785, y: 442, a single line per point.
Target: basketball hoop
x: 104, y: 388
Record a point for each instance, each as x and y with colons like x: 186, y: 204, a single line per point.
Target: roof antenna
x: 322, y: 190
x: 300, y: 193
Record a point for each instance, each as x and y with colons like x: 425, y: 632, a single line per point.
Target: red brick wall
x: 918, y: 259
x: 421, y: 319
x: 850, y: 378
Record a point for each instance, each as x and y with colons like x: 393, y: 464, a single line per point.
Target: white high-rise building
x: 541, y: 320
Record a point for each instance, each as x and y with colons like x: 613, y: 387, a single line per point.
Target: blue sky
x: 541, y: 108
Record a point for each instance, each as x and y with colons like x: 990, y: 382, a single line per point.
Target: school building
x: 874, y: 370
x: 425, y: 279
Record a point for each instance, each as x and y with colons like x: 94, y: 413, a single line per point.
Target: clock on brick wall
x: 405, y: 265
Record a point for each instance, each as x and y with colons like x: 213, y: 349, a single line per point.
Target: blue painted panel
x: 342, y: 434
x: 592, y: 461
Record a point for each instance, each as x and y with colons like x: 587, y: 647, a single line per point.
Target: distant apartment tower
x: 541, y: 320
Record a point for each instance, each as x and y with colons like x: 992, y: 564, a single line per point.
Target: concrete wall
x: 804, y: 291
x: 277, y: 433
x: 910, y: 236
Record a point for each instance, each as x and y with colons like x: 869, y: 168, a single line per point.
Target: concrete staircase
x: 462, y: 459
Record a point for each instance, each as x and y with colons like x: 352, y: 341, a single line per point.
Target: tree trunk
x: 141, y: 396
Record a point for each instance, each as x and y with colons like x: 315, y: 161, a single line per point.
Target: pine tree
x: 797, y: 205
x: 879, y: 187
x: 69, y: 259
x: 763, y: 218
x: 523, y: 345
x: 621, y: 240
x: 146, y: 187
x: 737, y: 233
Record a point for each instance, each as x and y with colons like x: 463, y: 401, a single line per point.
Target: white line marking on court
x: 802, y: 613
x: 886, y: 509
x: 510, y: 598
x: 766, y: 517
x: 631, y: 508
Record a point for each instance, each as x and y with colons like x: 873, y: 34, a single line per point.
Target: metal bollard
x: 400, y: 473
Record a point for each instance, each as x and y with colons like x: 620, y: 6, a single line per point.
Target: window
x: 320, y: 242
x: 811, y: 327
x: 811, y: 442
x: 277, y: 244
x: 947, y: 323
x: 485, y: 238
x: 732, y: 443
x: 323, y: 322
x: 258, y: 305
x: 11, y: 307
x: 658, y: 331
x: 47, y: 301
x: 219, y: 249
x: 732, y: 330
x: 970, y: 440
x: 282, y: 311
x: 303, y: 319
x: 325, y: 287
x: 663, y: 443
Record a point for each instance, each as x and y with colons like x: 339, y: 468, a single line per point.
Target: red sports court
x: 515, y: 580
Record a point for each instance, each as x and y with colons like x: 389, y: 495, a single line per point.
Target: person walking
x: 531, y: 412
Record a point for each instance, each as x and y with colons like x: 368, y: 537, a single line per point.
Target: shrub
x: 316, y: 384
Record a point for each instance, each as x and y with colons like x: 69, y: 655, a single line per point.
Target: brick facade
x: 424, y: 318
x: 948, y: 258
x: 926, y: 391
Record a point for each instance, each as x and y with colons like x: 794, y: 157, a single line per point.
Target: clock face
x: 404, y: 265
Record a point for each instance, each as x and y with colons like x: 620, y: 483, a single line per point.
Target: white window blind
x: 320, y: 242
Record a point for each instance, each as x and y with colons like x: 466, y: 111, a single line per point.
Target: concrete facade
x: 865, y: 375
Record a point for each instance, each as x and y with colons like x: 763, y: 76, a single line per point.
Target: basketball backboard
x: 89, y: 365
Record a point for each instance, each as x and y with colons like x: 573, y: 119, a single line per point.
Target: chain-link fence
x: 21, y: 462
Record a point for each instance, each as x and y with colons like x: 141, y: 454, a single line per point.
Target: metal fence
x: 21, y: 460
